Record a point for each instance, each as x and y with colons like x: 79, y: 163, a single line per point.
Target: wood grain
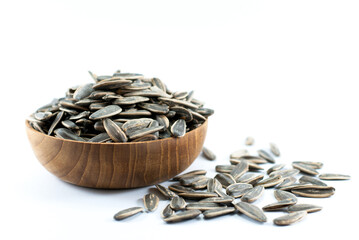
x: 116, y: 165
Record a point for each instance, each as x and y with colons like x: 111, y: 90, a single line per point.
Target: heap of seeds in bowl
x: 123, y: 107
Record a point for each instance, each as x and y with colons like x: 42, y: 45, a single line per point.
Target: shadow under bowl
x: 116, y: 165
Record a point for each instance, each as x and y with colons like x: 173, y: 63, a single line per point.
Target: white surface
x: 281, y: 71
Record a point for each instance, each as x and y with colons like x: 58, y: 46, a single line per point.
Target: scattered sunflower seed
x: 251, y: 211
x: 178, y: 203
x: 309, y: 208
x: 167, y: 211
x: 266, y: 156
x: 249, y: 141
x: 150, y: 201
x: 333, y: 176
x: 253, y: 194
x: 211, y: 213
x: 127, y: 213
x: 208, y: 154
x: 181, y: 216
x: 274, y: 149
x: 289, y: 218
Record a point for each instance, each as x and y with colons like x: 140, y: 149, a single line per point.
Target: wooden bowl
x: 116, y: 165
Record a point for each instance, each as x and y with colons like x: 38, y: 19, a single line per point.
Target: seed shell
x: 178, y: 129
x: 197, y: 195
x: 279, y: 205
x: 305, y: 168
x: 334, y: 176
x: 106, y: 112
x: 311, y: 180
x: 181, y: 216
x: 309, y: 208
x: 203, y: 206
x: 314, y: 191
x: 178, y: 203
x: 114, y: 131
x: 150, y: 201
x: 253, y: 194
x: 276, y: 167
x: 167, y: 211
x: 266, y: 156
x: 274, y: 149
x: 165, y: 191
x: 251, y: 211
x: 208, y: 154
x: 249, y: 141
x: 239, y: 170
x: 216, y: 212
x: 281, y: 195
x: 225, y: 179
x: 127, y: 213
x: 289, y: 218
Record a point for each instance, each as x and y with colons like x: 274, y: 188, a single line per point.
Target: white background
x: 281, y: 71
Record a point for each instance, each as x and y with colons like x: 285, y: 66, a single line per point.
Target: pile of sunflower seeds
x: 123, y: 107
x: 237, y: 185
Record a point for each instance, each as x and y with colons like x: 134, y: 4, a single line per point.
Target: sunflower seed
x: 102, y: 137
x: 253, y: 166
x: 185, y: 215
x: 127, y: 213
x: 314, y: 191
x: 315, y: 165
x: 333, y: 176
x: 284, y: 173
x: 114, y: 131
x: 167, y: 211
x: 250, y: 178
x: 110, y: 84
x: 56, y: 121
x: 178, y: 128
x: 307, y: 179
x: 130, y: 100
x: 266, y: 156
x: 69, y: 124
x: 188, y: 181
x: 67, y: 134
x: 271, y: 181
x: 249, y: 159
x: 136, y: 124
x: 281, y: 195
x: 253, y: 194
x: 150, y: 201
x: 249, y: 141
x: 197, y: 195
x: 309, y: 208
x: 211, y: 213
x: 203, y: 111
x: 178, y: 203
x: 305, y: 168
x: 200, y: 183
x: 165, y: 191
x: 155, y: 108
x: 188, y: 174
x: 179, y: 102
x: 287, y: 182
x: 158, y: 83
x: 251, y: 211
x: 238, y: 189
x: 83, y: 114
x: 179, y: 188
x: 274, y: 149
x: 225, y: 179
x: 134, y: 113
x: 83, y: 91
x: 213, y: 184
x: 293, y: 186
x: 239, y: 170
x: 143, y: 132
x: 106, y: 112
x: 289, y: 218
x: 163, y: 121
x: 43, y: 116
x: 226, y: 199
x: 239, y: 153
x: 203, y: 206
x: 208, y: 154
x: 276, y: 167
x: 279, y: 205
x: 225, y: 168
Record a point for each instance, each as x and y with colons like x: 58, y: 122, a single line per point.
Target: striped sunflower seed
x: 208, y: 154
x: 266, y: 156
x: 250, y: 178
x: 114, y: 131
x: 179, y: 188
x: 281, y: 195
x: 150, y: 201
x: 216, y: 212
x: 315, y: 165
x: 144, y: 131
x: 178, y: 128
x: 226, y: 199
x: 238, y: 189
x: 167, y: 211
x: 305, y: 168
x: 253, y: 194
x: 65, y: 133
x: 189, y: 174
x: 188, y: 181
x: 289, y: 218
x: 203, y: 206
x: 311, y: 180
x: 334, y: 176
x: 197, y: 195
x: 279, y: 205
x: 165, y: 191
x: 287, y: 182
x: 178, y: 203
x: 274, y: 149
x: 309, y: 208
x: 239, y: 153
x: 276, y: 167
x: 271, y: 181
x: 251, y: 211
x: 314, y: 191
x: 213, y: 184
x: 181, y: 216
x: 200, y: 183
x: 284, y: 173
x: 239, y: 170
x: 127, y: 213
x: 106, y: 112
x: 225, y: 179
x: 225, y: 168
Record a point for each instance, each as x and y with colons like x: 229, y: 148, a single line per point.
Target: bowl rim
x: 27, y: 124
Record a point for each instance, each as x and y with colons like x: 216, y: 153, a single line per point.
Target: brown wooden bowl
x: 116, y: 165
